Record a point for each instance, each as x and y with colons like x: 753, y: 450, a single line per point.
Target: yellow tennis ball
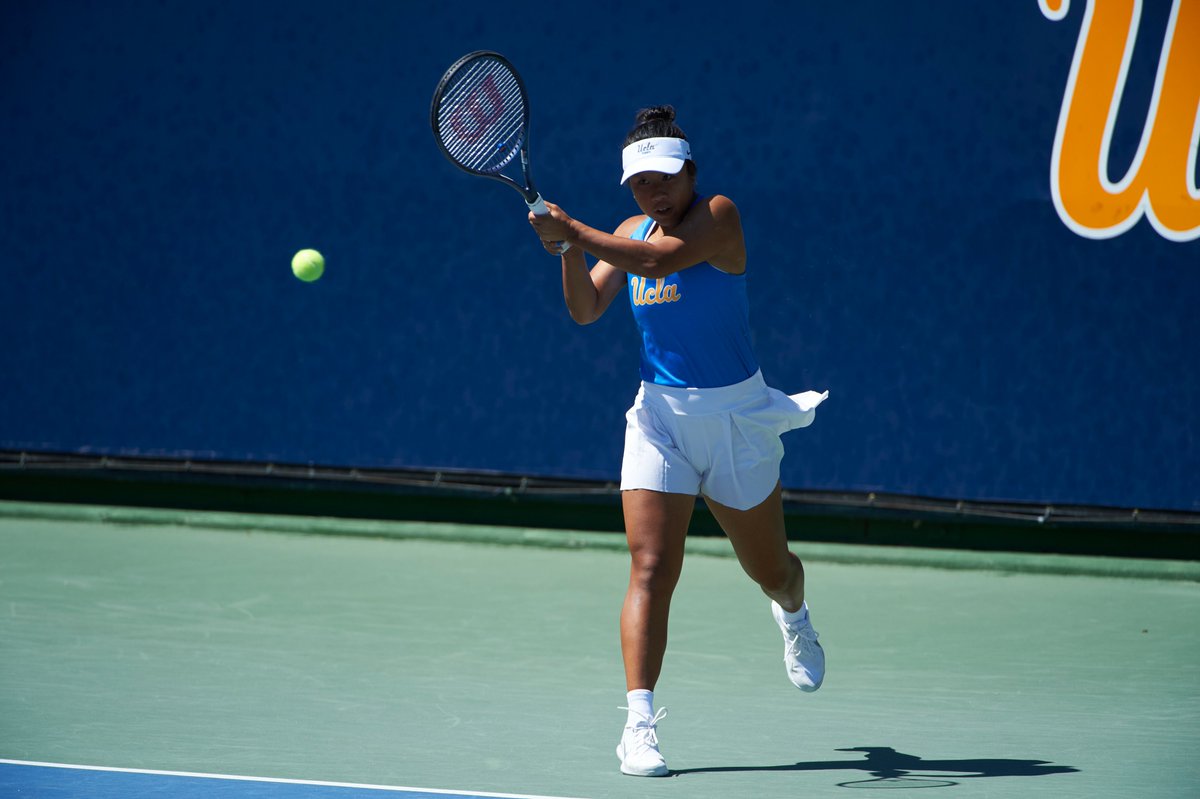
x: 308, y: 265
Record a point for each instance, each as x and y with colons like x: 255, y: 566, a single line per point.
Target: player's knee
x: 773, y: 581
x: 778, y: 577
x: 651, y: 571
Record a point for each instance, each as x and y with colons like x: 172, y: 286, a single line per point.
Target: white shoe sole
x: 661, y: 771
x: 657, y: 771
x: 808, y: 689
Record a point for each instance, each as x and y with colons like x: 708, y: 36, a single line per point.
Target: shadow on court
x: 891, y: 769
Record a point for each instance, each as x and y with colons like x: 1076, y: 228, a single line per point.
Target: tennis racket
x: 480, y: 118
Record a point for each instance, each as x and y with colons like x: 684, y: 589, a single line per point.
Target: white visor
x: 655, y: 155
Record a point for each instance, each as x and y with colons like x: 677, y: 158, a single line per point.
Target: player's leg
x: 759, y: 539
x: 656, y: 527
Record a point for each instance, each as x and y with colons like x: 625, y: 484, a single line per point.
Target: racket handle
x: 538, y: 206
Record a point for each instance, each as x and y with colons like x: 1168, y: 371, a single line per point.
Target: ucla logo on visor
x: 660, y: 154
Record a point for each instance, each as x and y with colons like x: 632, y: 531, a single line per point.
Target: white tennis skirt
x: 720, y: 442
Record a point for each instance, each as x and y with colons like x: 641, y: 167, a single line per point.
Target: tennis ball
x: 308, y: 265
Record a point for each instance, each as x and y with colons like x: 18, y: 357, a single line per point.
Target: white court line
x: 276, y: 780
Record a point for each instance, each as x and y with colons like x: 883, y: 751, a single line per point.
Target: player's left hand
x: 553, y: 227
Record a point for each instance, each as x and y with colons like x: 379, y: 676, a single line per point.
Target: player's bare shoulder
x: 723, y: 210
x: 626, y: 228
x: 727, y: 223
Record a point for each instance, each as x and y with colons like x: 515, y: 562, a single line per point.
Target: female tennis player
x: 703, y: 422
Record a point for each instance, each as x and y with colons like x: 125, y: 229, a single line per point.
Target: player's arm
x: 711, y: 232
x: 588, y: 293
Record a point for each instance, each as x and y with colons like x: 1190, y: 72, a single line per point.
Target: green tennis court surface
x: 19, y: 778
x: 170, y: 645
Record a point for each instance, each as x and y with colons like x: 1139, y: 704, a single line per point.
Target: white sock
x: 641, y: 706
x: 798, y: 617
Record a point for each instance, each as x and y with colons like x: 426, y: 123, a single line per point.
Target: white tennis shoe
x: 638, y: 749
x: 803, y: 656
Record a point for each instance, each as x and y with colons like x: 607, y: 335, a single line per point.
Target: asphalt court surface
x: 342, y: 661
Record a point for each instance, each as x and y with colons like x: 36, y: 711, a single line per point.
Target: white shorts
x: 720, y: 442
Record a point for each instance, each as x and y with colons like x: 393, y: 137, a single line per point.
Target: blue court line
x: 22, y: 778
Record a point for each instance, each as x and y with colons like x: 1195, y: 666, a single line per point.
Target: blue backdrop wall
x: 892, y: 163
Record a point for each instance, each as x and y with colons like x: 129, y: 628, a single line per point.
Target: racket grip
x: 538, y: 206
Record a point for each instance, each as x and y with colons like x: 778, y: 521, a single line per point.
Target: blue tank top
x: 695, y: 325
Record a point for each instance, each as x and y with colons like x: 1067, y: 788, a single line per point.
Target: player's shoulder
x: 719, y: 205
x: 626, y: 228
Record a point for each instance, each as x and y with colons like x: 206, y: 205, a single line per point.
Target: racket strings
x: 492, y: 149
x: 481, y: 117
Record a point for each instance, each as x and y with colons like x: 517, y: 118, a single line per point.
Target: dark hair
x: 658, y: 121
x: 654, y: 122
